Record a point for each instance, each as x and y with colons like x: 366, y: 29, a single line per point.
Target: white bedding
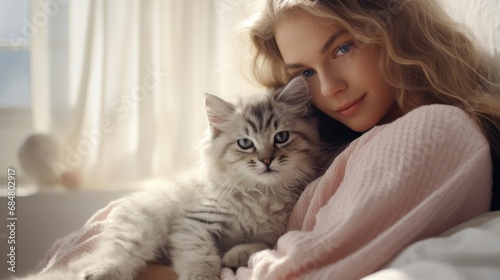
x: 470, y: 251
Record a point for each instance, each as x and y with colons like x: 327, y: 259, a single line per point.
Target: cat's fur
x: 235, y: 203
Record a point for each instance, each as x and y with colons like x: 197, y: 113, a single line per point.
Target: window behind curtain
x: 15, y: 29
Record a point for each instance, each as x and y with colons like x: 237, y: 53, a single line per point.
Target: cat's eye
x: 245, y: 143
x: 281, y: 137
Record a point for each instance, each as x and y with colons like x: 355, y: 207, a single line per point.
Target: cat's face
x: 269, y: 140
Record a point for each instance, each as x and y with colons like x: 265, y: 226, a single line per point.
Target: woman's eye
x: 245, y: 143
x: 343, y: 50
x: 281, y: 137
x: 308, y: 73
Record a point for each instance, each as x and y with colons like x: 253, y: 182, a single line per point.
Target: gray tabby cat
x: 257, y: 158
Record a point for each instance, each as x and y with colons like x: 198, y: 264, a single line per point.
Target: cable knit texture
x: 397, y: 184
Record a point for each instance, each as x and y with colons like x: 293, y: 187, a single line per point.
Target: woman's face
x: 343, y: 74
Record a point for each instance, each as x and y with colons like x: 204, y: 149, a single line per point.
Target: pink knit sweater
x: 398, y: 183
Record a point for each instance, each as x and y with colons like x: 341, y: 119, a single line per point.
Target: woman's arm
x: 157, y: 272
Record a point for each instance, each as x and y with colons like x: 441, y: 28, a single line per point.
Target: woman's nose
x: 332, y: 86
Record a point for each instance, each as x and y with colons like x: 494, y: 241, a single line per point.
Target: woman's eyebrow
x: 294, y: 65
x: 325, y: 48
x: 331, y: 40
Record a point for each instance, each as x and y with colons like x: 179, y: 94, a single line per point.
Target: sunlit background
x: 117, y: 86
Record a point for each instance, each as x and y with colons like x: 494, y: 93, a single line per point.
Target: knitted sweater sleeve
x: 398, y: 183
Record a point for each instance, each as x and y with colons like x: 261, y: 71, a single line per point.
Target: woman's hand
x: 157, y: 272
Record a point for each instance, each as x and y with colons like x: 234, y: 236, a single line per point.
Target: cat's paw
x: 239, y: 254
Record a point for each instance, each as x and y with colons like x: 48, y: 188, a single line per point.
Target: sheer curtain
x: 137, y: 72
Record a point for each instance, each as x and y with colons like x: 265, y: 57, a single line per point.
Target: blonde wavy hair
x: 425, y: 56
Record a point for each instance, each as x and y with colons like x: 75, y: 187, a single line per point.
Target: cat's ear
x: 295, y: 94
x: 218, y: 111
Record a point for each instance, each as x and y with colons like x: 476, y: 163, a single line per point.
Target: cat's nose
x: 267, y: 161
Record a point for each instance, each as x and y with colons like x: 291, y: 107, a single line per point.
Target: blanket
x: 397, y: 184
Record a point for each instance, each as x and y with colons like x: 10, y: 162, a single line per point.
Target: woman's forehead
x: 305, y: 33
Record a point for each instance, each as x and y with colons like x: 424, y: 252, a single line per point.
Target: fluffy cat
x: 256, y: 159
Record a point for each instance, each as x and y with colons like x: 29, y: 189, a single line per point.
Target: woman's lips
x: 350, y: 108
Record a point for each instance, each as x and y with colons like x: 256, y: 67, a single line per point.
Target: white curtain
x: 137, y: 72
